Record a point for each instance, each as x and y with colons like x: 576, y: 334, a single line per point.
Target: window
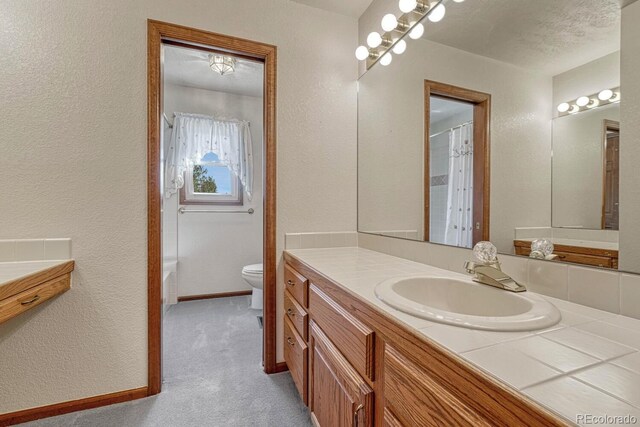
x: 211, y: 183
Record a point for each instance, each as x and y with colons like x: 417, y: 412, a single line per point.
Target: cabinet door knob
x: 290, y: 312
x: 290, y: 282
x: 290, y: 341
x: 356, y: 420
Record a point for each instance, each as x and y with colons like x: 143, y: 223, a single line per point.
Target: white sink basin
x: 467, y: 304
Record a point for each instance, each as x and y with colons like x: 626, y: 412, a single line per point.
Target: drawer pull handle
x: 356, y: 420
x: 290, y: 282
x: 290, y: 341
x: 31, y: 301
x: 290, y: 312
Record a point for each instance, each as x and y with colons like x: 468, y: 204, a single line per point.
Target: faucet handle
x: 486, y: 252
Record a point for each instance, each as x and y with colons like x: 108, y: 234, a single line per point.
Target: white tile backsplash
x: 320, y: 240
x: 34, y: 249
x: 604, y: 289
x: 548, y: 278
x: 594, y: 288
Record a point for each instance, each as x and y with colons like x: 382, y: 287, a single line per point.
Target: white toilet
x: 252, y: 274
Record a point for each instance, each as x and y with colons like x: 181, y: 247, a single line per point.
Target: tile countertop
x: 607, y: 246
x: 587, y: 365
x: 12, y: 271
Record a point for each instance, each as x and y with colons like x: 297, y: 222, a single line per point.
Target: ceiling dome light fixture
x: 605, y: 95
x: 374, y: 40
x: 437, y: 13
x: 417, y: 32
x: 582, y: 101
x: 564, y: 107
x: 362, y: 53
x: 222, y: 64
x: 389, y: 22
x: 386, y: 59
x: 407, y: 6
x: 400, y: 47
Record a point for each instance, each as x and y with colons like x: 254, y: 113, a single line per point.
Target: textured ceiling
x: 190, y: 67
x: 549, y: 36
x: 353, y: 8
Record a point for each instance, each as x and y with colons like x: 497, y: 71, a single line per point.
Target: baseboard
x: 71, y: 406
x: 211, y: 296
x: 281, y: 367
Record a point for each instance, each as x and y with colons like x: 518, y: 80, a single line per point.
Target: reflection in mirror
x: 563, y: 162
x: 586, y: 169
x: 457, y: 175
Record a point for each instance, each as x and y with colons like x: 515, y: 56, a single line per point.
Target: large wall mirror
x: 522, y: 130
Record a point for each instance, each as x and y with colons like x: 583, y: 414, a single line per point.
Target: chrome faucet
x: 488, y: 271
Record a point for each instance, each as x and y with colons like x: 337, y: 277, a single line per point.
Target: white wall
x: 630, y: 139
x: 213, y: 248
x: 73, y: 163
x: 392, y: 118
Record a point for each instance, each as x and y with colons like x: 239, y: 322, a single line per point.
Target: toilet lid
x: 252, y: 269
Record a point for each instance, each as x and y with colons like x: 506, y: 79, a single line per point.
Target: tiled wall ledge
x: 320, y: 240
x: 602, y: 289
x: 34, y: 249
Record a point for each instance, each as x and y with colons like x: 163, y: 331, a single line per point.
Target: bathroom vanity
x: 356, y: 364
x: 25, y: 285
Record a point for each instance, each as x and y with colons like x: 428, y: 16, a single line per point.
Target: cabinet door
x: 339, y: 395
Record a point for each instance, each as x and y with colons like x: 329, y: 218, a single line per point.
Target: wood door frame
x: 481, y: 152
x: 606, y: 125
x: 157, y: 32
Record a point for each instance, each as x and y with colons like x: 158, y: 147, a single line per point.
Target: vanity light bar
x: 585, y: 103
x: 380, y: 46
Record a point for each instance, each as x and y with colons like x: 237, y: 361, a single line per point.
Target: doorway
x: 456, y: 171
x: 215, y: 48
x: 611, y: 181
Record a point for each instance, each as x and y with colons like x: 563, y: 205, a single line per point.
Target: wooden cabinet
x: 339, y: 397
x: 575, y: 254
x: 362, y: 367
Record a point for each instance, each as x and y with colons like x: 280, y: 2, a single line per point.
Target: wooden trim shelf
x: 71, y: 406
x: 212, y: 296
x: 596, y: 257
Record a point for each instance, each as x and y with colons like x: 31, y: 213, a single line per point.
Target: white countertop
x: 587, y: 364
x: 10, y: 271
x: 608, y: 246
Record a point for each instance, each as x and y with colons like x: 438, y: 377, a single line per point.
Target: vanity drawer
x: 26, y: 300
x: 350, y: 336
x: 416, y: 399
x: 297, y: 285
x: 295, y: 354
x: 298, y: 315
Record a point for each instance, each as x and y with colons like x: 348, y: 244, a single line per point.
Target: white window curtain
x: 459, y: 228
x: 196, y: 135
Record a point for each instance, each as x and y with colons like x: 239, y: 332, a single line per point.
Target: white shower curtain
x: 196, y: 135
x: 459, y: 227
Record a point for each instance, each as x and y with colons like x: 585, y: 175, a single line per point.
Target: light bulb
x: 374, y: 40
x: 417, y: 32
x: 582, y: 101
x: 362, y: 53
x: 389, y: 22
x: 458, y: 1
x: 593, y: 103
x: 616, y: 97
x: 574, y: 109
x: 407, y: 6
x: 386, y: 59
x: 564, y: 107
x: 605, y: 95
x: 400, y: 47
x: 437, y: 13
